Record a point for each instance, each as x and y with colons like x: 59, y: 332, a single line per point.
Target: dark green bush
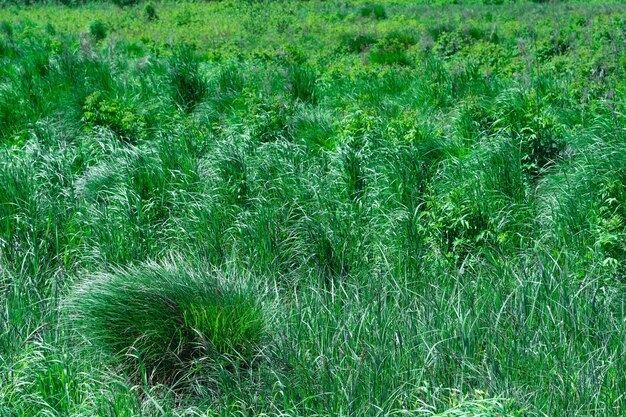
x: 121, y: 118
x: 189, y: 87
x: 98, y: 30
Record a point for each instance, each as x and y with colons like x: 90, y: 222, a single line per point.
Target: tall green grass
x: 312, y: 209
x: 163, y: 317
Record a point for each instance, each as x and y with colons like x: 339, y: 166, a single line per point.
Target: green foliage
x: 539, y: 133
x: 374, y: 11
x: 125, y: 3
x: 98, y: 30
x: 303, y: 82
x: 389, y: 51
x: 189, y: 87
x: 426, y: 212
x: 122, y: 119
x: 150, y: 12
x: 163, y: 317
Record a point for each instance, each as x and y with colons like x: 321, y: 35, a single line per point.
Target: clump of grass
x: 230, y: 80
x: 6, y: 28
x: 150, y: 12
x: 98, y: 30
x: 162, y: 318
x: 234, y: 170
x: 353, y: 168
x: 583, y: 204
x: 303, y: 82
x: 374, y: 11
x: 189, y: 87
x: 11, y: 120
x: 314, y: 127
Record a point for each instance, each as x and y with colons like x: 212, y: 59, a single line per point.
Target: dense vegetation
x: 313, y: 208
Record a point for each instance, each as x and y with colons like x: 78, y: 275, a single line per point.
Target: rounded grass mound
x: 164, y: 317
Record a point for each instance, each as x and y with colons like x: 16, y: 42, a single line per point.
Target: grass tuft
x: 163, y: 317
x: 189, y: 88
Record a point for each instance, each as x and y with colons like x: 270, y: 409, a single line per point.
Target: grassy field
x: 313, y: 208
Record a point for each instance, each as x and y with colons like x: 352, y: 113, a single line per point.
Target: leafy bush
x: 164, y: 317
x: 121, y: 118
x: 538, y: 131
x: 270, y: 121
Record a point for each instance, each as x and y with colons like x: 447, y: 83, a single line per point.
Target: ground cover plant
x: 312, y: 208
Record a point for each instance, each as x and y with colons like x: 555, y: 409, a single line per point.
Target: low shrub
x: 121, y: 118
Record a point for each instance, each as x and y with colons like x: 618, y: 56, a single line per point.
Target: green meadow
x: 312, y: 208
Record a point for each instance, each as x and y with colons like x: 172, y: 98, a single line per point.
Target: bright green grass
x: 418, y: 209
